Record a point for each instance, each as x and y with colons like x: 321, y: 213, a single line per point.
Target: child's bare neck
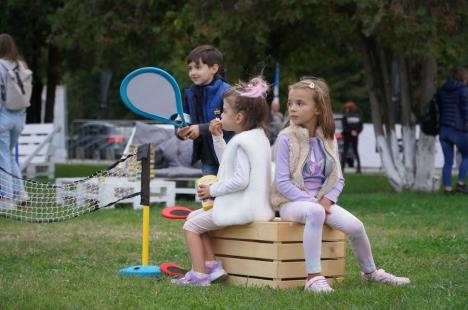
x: 311, y: 128
x: 239, y: 130
x: 208, y: 83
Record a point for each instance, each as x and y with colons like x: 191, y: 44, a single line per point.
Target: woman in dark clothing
x: 453, y: 103
x: 352, y: 127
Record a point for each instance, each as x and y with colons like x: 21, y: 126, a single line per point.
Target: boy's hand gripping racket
x: 154, y: 94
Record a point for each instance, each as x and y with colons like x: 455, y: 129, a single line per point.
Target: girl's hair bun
x: 256, y: 88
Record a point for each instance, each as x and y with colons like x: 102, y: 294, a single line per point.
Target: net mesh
x: 35, y: 202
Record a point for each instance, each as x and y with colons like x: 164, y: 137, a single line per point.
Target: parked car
x: 97, y: 140
x: 339, y: 137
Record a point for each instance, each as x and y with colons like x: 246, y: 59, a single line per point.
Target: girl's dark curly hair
x: 250, y: 99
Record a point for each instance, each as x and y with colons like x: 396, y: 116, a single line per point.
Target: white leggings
x: 312, y: 215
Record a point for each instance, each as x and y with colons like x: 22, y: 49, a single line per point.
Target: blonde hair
x: 321, y: 96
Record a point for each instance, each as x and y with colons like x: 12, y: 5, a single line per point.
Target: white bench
x: 185, y: 189
x: 110, y: 189
x: 35, y: 155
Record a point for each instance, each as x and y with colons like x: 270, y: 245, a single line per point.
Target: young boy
x: 204, y: 102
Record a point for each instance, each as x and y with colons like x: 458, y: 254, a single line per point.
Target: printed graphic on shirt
x: 312, y: 168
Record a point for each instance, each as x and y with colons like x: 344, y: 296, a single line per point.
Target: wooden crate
x: 271, y: 254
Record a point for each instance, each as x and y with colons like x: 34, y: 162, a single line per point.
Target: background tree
x: 116, y: 37
x: 385, y: 55
x: 398, y: 44
x: 255, y: 35
x: 402, y: 43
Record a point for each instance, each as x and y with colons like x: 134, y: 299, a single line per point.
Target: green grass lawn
x: 75, y: 171
x: 75, y: 264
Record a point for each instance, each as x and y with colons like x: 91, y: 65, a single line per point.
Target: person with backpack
x: 453, y: 109
x: 15, y: 93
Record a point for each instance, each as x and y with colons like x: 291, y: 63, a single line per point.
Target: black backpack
x: 429, y: 121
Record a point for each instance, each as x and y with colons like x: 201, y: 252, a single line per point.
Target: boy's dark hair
x: 207, y: 54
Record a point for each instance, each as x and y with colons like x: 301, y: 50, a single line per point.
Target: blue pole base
x: 140, y: 271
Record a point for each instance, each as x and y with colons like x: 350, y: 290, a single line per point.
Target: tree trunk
x: 413, y: 169
x: 408, y: 132
x: 52, y: 81
x: 377, y: 85
x: 424, y: 179
x: 34, y: 111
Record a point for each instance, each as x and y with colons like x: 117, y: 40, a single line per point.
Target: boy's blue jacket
x: 212, y: 108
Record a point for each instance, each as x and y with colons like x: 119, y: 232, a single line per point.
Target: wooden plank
x: 249, y: 282
x: 293, y: 251
x: 335, y: 249
x: 273, y: 250
x: 289, y: 231
x: 266, y: 231
x: 278, y: 269
x: 248, y: 249
x: 276, y: 230
x: 330, y: 234
x: 248, y: 267
x: 277, y: 284
x: 332, y: 267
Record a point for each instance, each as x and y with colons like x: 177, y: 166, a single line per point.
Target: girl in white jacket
x: 243, y: 188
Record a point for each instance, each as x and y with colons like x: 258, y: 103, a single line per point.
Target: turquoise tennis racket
x: 154, y: 94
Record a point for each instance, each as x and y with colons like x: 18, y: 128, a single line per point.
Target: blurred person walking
x: 453, y: 107
x: 352, y: 127
x: 276, y: 120
x: 12, y: 115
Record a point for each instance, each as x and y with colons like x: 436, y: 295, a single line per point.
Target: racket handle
x: 183, y: 121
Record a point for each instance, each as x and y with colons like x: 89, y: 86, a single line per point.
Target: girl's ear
x: 239, y: 118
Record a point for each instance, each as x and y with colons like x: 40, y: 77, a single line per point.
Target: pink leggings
x: 313, y: 216
x: 200, y: 221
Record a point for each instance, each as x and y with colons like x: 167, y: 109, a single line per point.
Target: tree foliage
x: 388, y: 56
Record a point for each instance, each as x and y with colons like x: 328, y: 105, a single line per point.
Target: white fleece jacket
x: 251, y: 203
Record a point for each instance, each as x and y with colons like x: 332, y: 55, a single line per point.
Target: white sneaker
x: 317, y: 284
x: 384, y: 277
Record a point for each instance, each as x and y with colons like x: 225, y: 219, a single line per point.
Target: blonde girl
x: 308, y: 182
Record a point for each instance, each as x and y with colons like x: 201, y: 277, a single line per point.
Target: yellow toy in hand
x: 207, y: 180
